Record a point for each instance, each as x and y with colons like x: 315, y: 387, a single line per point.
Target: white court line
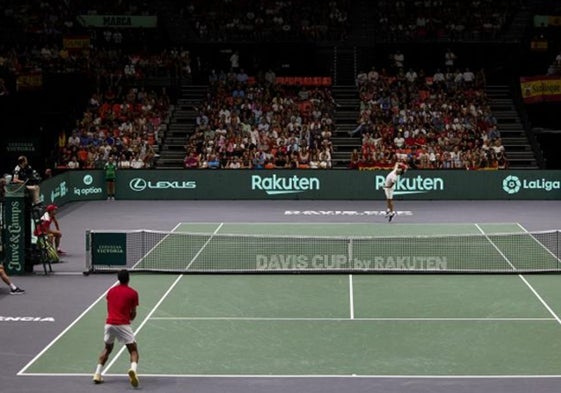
x: 73, y: 323
x: 375, y: 319
x: 22, y: 372
x: 336, y: 223
x: 204, y: 246
x: 155, y: 246
x: 522, y: 278
x: 540, y: 243
x: 314, y: 376
x: 165, y: 295
x: 351, y: 297
x: 49, y: 345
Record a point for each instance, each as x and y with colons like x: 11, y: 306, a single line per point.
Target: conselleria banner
x: 304, y: 184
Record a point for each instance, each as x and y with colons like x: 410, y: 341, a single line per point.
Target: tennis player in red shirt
x: 122, y: 301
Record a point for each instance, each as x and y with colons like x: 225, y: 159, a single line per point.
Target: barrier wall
x: 74, y: 186
x: 303, y: 184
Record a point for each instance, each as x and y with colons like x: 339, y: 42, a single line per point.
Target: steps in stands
x: 518, y: 148
x: 181, y: 125
x: 345, y: 118
x: 344, y: 65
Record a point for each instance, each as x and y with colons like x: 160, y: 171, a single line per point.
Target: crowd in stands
x: 122, y: 118
x: 258, y: 20
x: 32, y: 42
x: 415, y: 20
x: 433, y: 121
x: 261, y: 125
x: 125, y: 126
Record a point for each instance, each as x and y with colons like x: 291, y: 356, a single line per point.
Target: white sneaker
x: 97, y: 379
x: 133, y: 378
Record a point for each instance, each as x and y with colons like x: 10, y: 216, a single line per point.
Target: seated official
x: 24, y: 174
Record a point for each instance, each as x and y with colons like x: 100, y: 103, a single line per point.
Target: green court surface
x: 330, y: 324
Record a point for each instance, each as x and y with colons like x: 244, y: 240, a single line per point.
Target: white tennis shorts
x: 123, y: 333
x: 389, y: 192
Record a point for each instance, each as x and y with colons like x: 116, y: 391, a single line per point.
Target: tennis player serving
x: 389, y: 186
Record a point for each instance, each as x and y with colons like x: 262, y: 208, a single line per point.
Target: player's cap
x: 51, y: 207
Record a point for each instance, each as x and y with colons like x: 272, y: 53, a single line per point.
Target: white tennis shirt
x: 391, y: 178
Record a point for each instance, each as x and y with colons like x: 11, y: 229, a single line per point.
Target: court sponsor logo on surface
x: 513, y: 184
x: 291, y: 262
x: 4, y: 318
x: 344, y: 213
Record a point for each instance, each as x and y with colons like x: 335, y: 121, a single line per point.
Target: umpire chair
x: 40, y: 252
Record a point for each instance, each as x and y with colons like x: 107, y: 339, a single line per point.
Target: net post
x: 89, y: 266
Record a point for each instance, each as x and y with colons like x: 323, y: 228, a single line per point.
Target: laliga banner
x: 540, y: 89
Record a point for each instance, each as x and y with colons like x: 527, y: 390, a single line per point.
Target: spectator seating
x: 125, y: 126
x: 439, y: 121
x: 414, y: 20
x: 262, y: 125
x: 262, y: 21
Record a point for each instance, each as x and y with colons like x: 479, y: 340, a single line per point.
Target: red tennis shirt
x: 121, y: 300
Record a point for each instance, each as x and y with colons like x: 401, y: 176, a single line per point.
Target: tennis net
x: 182, y: 252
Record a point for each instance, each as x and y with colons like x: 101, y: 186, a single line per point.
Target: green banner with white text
x: 304, y: 184
x: 119, y: 21
x: 337, y: 184
x: 109, y: 249
x: 73, y: 186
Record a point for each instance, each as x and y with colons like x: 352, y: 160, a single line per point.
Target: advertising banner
x: 336, y: 184
x: 116, y: 21
x: 303, y: 184
x: 76, y: 43
x: 109, y: 249
x: 14, y: 226
x: 21, y: 145
x: 73, y: 186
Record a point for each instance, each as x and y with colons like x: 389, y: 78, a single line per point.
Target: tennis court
x: 329, y: 325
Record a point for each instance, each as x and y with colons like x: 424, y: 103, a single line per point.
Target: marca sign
x: 412, y: 185
x: 139, y: 184
x: 278, y: 185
